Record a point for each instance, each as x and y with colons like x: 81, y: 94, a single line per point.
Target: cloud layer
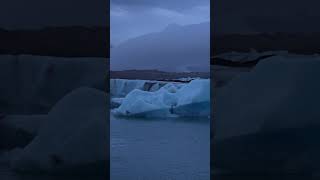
x: 135, y: 18
x: 176, y: 49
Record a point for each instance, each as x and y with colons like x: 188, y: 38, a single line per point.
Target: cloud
x: 134, y: 18
x: 166, y: 4
x: 179, y: 48
x: 118, y: 12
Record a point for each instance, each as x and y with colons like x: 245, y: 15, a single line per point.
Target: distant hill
x: 155, y: 75
x: 302, y: 43
x: 73, y: 41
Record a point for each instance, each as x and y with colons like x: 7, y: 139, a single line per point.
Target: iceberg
x: 267, y: 120
x: 115, y: 102
x: 173, y: 99
x: 194, y: 99
x: 74, y: 139
x: 277, y: 93
x: 17, y: 131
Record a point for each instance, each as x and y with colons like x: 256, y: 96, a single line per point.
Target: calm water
x: 7, y: 174
x: 162, y: 149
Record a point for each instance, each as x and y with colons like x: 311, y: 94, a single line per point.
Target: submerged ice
x: 172, y: 99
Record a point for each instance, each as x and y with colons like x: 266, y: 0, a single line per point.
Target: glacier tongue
x: 192, y: 99
x: 121, y: 87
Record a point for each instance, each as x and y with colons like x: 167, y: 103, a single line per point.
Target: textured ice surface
x: 121, y: 87
x: 166, y: 100
x: 280, y: 92
x: 74, y: 138
x: 34, y: 84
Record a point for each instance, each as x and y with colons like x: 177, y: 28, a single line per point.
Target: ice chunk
x: 74, y: 139
x: 277, y: 93
x: 196, y: 91
x: 171, y: 99
x: 115, y: 102
x: 138, y: 102
x: 28, y: 123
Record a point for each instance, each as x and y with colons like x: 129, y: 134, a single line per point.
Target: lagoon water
x: 149, y: 149
x: 7, y: 174
x: 160, y: 149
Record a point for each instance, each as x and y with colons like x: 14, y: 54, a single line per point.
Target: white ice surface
x: 281, y: 92
x: 76, y: 133
x: 166, y: 100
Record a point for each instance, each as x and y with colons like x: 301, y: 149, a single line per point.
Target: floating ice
x: 171, y: 99
x: 73, y: 140
x: 278, y: 93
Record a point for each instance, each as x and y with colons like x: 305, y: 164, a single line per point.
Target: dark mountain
x: 73, y: 41
x: 155, y: 75
x: 302, y: 43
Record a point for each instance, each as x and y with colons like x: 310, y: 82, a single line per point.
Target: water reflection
x: 160, y: 149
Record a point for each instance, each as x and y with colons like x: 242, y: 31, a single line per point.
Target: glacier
x: 26, y: 80
x: 171, y: 100
x: 121, y: 87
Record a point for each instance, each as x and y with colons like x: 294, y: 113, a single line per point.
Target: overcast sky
x: 131, y: 18
x: 18, y: 14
